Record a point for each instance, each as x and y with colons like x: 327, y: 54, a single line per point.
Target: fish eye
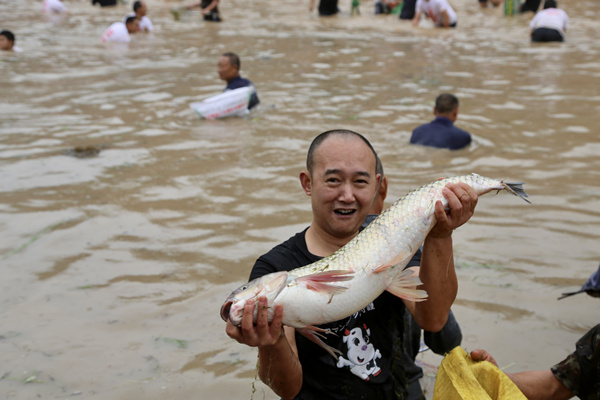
x: 245, y: 287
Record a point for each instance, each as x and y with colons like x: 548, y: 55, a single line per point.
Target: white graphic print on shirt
x: 362, y: 355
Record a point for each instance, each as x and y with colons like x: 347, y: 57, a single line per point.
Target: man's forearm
x: 439, y: 280
x: 416, y: 18
x: 540, y: 385
x: 211, y: 6
x: 279, y: 368
x: 446, y: 19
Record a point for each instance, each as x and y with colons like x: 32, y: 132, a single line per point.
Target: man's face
x: 142, y: 10
x: 343, y: 185
x: 5, y: 44
x: 226, y: 71
x: 133, y: 27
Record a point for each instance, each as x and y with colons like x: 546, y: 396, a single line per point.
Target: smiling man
x: 342, y: 182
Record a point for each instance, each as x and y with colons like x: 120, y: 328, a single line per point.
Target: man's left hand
x: 462, y: 200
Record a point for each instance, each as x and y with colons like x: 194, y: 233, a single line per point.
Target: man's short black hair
x: 446, y: 103
x: 233, y: 59
x: 310, y: 157
x: 8, y: 35
x: 550, y: 4
x: 136, y: 5
x: 130, y: 19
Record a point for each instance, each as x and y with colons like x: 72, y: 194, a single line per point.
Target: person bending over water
x: 120, y: 32
x: 550, y: 24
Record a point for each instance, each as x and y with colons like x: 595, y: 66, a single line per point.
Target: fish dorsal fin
x: 325, y: 281
x: 405, y: 285
x: 398, y: 259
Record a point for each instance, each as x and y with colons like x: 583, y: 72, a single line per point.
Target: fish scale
x: 403, y: 225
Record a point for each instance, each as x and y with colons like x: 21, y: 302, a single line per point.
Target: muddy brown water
x: 113, y: 267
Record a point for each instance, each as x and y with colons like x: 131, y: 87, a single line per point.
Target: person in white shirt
x: 120, y: 32
x: 139, y: 11
x: 550, y: 24
x: 53, y: 6
x: 439, y: 11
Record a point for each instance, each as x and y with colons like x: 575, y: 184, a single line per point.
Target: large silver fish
x: 372, y: 262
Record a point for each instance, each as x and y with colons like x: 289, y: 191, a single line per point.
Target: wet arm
x: 535, y: 385
x: 445, y: 340
x: 417, y: 18
x: 278, y: 364
x: 446, y: 19
x: 439, y: 280
x: 193, y: 6
x: 540, y: 385
x: 279, y: 367
x: 210, y: 7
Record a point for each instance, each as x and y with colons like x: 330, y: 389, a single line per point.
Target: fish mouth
x: 225, y: 308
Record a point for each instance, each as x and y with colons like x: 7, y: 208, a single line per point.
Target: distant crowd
x: 548, y: 25
x: 132, y: 23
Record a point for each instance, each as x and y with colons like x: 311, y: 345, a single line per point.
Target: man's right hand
x: 262, y: 333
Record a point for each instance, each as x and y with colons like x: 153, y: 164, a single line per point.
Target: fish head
x: 269, y: 285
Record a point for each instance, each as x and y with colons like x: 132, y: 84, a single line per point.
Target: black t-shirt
x: 371, y: 342
x: 239, y: 82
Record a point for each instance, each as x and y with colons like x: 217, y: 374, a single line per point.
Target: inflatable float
x: 227, y: 104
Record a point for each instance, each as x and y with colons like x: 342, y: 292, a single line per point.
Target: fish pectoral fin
x: 394, y: 262
x: 405, y: 285
x: 325, y: 281
x: 312, y: 333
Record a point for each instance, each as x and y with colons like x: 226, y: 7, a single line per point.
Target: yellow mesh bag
x: 461, y: 378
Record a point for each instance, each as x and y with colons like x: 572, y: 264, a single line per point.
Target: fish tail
x: 517, y: 190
